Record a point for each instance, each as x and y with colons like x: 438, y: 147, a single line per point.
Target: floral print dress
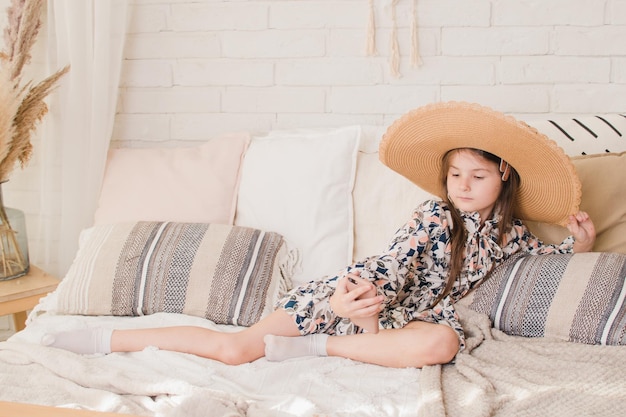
x: 412, y: 272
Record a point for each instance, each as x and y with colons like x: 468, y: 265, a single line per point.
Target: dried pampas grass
x: 22, y: 106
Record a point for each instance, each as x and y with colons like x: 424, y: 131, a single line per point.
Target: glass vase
x: 14, y: 261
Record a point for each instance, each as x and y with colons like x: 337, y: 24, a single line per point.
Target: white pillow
x: 299, y: 183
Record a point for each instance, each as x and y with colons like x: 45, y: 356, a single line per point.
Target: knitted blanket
x: 501, y: 375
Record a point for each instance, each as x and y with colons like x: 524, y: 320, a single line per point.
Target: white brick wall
x: 194, y: 69
x: 548, y: 12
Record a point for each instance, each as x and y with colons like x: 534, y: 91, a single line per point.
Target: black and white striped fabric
x: 586, y: 135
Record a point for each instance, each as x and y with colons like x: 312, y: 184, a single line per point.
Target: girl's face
x: 473, y: 183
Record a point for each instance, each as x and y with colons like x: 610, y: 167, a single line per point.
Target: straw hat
x: 415, y: 144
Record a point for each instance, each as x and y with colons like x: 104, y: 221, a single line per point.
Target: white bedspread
x: 497, y: 375
x: 161, y: 383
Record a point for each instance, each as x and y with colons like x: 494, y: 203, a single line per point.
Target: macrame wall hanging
x: 394, y: 53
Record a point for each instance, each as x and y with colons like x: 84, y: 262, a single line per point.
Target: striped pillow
x: 576, y: 297
x: 586, y: 135
x: 227, y: 274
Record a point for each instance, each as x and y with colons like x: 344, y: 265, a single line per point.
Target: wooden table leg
x: 19, y: 320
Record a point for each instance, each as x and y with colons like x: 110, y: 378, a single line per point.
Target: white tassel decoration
x: 394, y: 57
x: 371, y: 31
x: 416, y: 59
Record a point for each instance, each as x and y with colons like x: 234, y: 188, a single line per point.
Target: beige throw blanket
x: 501, y: 375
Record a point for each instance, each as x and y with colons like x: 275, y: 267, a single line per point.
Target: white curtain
x: 89, y: 36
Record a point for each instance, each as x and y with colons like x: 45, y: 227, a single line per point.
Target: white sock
x: 84, y: 341
x: 279, y: 348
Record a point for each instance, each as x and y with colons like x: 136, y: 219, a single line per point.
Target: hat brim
x: 414, y: 146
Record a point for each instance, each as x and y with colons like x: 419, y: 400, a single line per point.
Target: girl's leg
x: 416, y: 345
x: 231, y: 348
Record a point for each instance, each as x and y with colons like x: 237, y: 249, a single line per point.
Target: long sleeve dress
x: 412, y: 272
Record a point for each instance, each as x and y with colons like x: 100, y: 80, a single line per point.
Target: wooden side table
x: 19, y: 295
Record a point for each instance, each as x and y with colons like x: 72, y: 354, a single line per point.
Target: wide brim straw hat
x: 414, y: 146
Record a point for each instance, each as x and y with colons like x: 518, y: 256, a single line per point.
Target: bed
x: 558, y: 351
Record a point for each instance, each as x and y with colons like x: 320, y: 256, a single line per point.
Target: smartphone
x: 352, y: 284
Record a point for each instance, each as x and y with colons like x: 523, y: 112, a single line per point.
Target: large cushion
x: 181, y: 184
x: 227, y: 274
x: 383, y: 199
x: 299, y: 183
x: 576, y: 297
x: 604, y: 198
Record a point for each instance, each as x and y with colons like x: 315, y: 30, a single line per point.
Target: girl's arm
x: 358, y: 300
x: 378, y: 280
x: 582, y: 238
x: 390, y: 270
x: 583, y: 230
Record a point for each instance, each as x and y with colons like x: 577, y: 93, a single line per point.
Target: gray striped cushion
x: 577, y: 297
x: 227, y: 274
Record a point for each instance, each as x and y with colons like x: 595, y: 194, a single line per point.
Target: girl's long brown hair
x: 505, y: 205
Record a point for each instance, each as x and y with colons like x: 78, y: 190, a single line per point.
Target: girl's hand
x: 583, y: 230
x: 356, y: 298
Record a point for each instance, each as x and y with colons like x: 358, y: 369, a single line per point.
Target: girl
x: 489, y: 170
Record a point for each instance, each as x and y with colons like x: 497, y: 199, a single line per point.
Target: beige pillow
x: 383, y: 200
x: 604, y: 198
x: 183, y: 184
